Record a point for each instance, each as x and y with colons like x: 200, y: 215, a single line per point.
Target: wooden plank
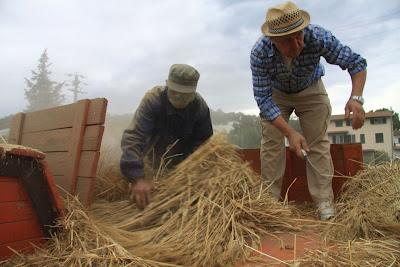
x: 59, y: 139
x: 87, y: 163
x: 62, y: 185
x: 84, y: 190
x: 23, y: 246
x: 16, y: 211
x: 63, y: 116
x: 16, y: 129
x: 75, y: 146
x: 15, y: 231
x: 353, y: 156
x: 11, y: 189
x: 97, y: 111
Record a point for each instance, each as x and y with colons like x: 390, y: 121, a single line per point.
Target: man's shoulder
x: 201, y: 103
x: 155, y: 91
x: 262, y: 46
x: 315, y: 32
x: 152, y: 98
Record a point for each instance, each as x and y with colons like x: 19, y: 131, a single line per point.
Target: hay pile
x: 370, y: 205
x: 366, y: 230
x: 81, y: 243
x: 376, y: 252
x: 207, y: 212
x: 204, y: 213
x: 212, y: 210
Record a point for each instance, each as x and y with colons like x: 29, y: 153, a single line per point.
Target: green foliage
x: 219, y: 117
x: 246, y: 129
x: 396, y: 121
x: 42, y: 92
x: 246, y: 132
x: 381, y: 157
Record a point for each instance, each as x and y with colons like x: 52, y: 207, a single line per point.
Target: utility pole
x: 76, y: 84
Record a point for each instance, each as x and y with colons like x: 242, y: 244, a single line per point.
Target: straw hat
x: 285, y: 19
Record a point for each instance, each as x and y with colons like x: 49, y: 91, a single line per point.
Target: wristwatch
x: 358, y: 98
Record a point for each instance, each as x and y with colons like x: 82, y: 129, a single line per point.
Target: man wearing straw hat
x: 171, y: 122
x: 286, y: 70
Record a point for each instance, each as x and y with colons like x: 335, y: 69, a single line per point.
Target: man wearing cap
x: 166, y: 114
x: 286, y: 70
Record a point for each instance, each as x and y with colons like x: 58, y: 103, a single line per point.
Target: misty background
x: 124, y: 48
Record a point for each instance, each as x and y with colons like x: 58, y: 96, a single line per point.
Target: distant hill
x: 241, y: 129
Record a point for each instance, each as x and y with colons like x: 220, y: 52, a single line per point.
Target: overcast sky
x: 126, y: 47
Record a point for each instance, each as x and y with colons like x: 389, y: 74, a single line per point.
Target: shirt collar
x: 170, y: 109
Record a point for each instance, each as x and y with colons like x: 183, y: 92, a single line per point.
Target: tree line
x: 42, y: 92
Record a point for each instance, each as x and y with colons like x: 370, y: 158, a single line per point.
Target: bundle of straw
x: 376, y: 252
x: 369, y: 207
x: 110, y: 184
x: 81, y: 243
x: 204, y: 213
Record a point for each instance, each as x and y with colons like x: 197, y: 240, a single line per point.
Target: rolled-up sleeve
x: 262, y: 86
x: 338, y: 54
x: 136, y: 139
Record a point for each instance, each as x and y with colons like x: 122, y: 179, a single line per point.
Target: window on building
x: 379, y: 137
x: 362, y: 138
x: 378, y: 120
x: 349, y: 122
x: 339, y: 123
x: 343, y: 138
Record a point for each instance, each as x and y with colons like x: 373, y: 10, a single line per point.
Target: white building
x: 375, y: 135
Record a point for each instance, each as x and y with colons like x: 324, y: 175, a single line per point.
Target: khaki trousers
x: 313, y: 108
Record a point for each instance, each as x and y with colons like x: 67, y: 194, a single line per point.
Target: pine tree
x: 42, y: 92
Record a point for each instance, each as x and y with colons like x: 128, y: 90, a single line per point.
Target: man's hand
x: 297, y: 142
x: 140, y: 192
x: 357, y: 109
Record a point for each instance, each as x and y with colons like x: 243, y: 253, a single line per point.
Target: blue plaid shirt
x: 269, y: 71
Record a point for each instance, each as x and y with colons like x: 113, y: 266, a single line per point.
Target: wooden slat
x: 15, y: 231
x: 68, y: 128
x: 87, y: 163
x: 22, y: 246
x: 59, y: 139
x: 16, y: 129
x: 62, y: 184
x: 75, y: 146
x: 63, y: 117
x: 11, y: 189
x: 16, y: 211
x: 85, y: 187
x: 85, y: 190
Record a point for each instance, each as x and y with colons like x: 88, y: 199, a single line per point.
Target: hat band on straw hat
x: 287, y: 28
